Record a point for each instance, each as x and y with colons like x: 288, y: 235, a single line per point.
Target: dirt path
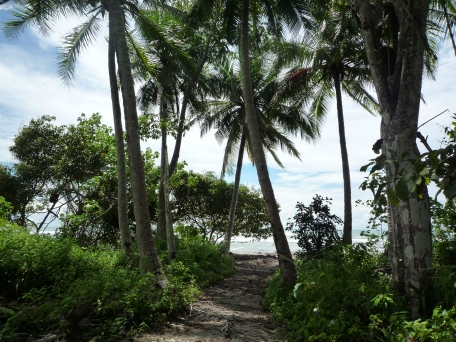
x: 230, y: 310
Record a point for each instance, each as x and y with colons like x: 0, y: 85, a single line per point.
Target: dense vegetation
x: 256, y: 71
x: 55, y: 286
x: 343, y: 292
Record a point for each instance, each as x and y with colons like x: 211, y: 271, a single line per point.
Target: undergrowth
x: 54, y: 285
x: 344, y: 295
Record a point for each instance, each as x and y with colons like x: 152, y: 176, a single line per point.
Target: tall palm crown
x: 275, y: 118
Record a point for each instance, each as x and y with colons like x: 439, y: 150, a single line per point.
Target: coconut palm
x: 275, y: 119
x: 175, y: 76
x: 42, y: 14
x: 330, y: 63
x: 264, y: 11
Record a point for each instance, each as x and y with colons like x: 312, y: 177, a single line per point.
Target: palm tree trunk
x: 234, y: 198
x: 149, y: 261
x: 185, y: 100
x: 122, y: 210
x: 347, y: 238
x: 286, y: 265
x: 165, y: 210
x: 161, y: 219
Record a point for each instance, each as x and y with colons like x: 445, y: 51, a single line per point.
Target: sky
x: 30, y: 87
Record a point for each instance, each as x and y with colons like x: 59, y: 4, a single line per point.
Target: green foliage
x: 440, y: 327
x: 203, y: 202
x: 438, y: 166
x: 205, y: 261
x: 5, y: 209
x: 444, y: 233
x: 55, y: 285
x: 345, y: 296
x: 314, y: 227
x: 332, y: 300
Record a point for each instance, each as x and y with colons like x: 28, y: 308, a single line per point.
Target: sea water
x: 242, y: 245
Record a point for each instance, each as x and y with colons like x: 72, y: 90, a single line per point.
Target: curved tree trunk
x: 234, y: 198
x: 286, y: 265
x: 122, y: 204
x: 347, y: 238
x: 149, y: 261
x: 399, y: 99
x: 165, y: 210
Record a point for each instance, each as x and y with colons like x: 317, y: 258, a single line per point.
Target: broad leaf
x: 392, y: 197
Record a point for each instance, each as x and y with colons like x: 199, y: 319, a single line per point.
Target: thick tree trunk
x: 234, y: 198
x: 399, y: 99
x: 149, y: 261
x: 347, y: 238
x: 286, y: 265
x: 122, y: 204
x: 165, y: 210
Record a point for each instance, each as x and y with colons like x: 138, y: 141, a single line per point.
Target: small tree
x: 314, y: 226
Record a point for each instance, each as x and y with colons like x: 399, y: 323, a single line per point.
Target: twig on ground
x: 228, y: 331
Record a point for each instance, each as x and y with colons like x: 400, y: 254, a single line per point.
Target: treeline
x: 66, y: 177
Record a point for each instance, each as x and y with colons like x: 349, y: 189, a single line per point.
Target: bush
x: 56, y: 285
x: 332, y: 298
x: 314, y: 227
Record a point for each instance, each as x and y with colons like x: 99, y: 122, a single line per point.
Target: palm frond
x: 80, y: 38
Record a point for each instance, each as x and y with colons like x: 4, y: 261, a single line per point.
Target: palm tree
x: 122, y: 203
x: 286, y: 265
x: 174, y: 76
x: 234, y: 12
x: 333, y: 63
x: 42, y: 14
x: 228, y: 117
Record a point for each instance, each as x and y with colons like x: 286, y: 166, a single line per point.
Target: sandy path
x: 230, y: 310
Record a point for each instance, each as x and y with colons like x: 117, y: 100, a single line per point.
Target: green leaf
x: 402, y: 190
x: 408, y: 176
x: 392, y: 197
x: 364, y: 167
x: 450, y: 191
x: 424, y: 172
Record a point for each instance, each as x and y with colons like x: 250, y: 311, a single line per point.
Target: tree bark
x: 161, y: 219
x: 399, y: 98
x: 165, y: 210
x: 149, y: 261
x: 234, y: 198
x: 347, y: 238
x: 122, y: 204
x: 286, y: 265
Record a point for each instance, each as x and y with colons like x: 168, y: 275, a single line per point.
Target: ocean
x: 242, y: 245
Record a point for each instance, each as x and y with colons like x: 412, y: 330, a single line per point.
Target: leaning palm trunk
x: 399, y: 98
x: 347, y: 238
x: 286, y: 265
x: 234, y: 198
x: 149, y: 261
x: 122, y: 211
x: 165, y: 210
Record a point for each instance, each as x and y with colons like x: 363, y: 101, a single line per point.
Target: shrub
x: 56, y: 285
x: 314, y: 227
x: 332, y: 298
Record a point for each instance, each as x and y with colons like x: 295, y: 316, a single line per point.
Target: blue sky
x: 30, y: 87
